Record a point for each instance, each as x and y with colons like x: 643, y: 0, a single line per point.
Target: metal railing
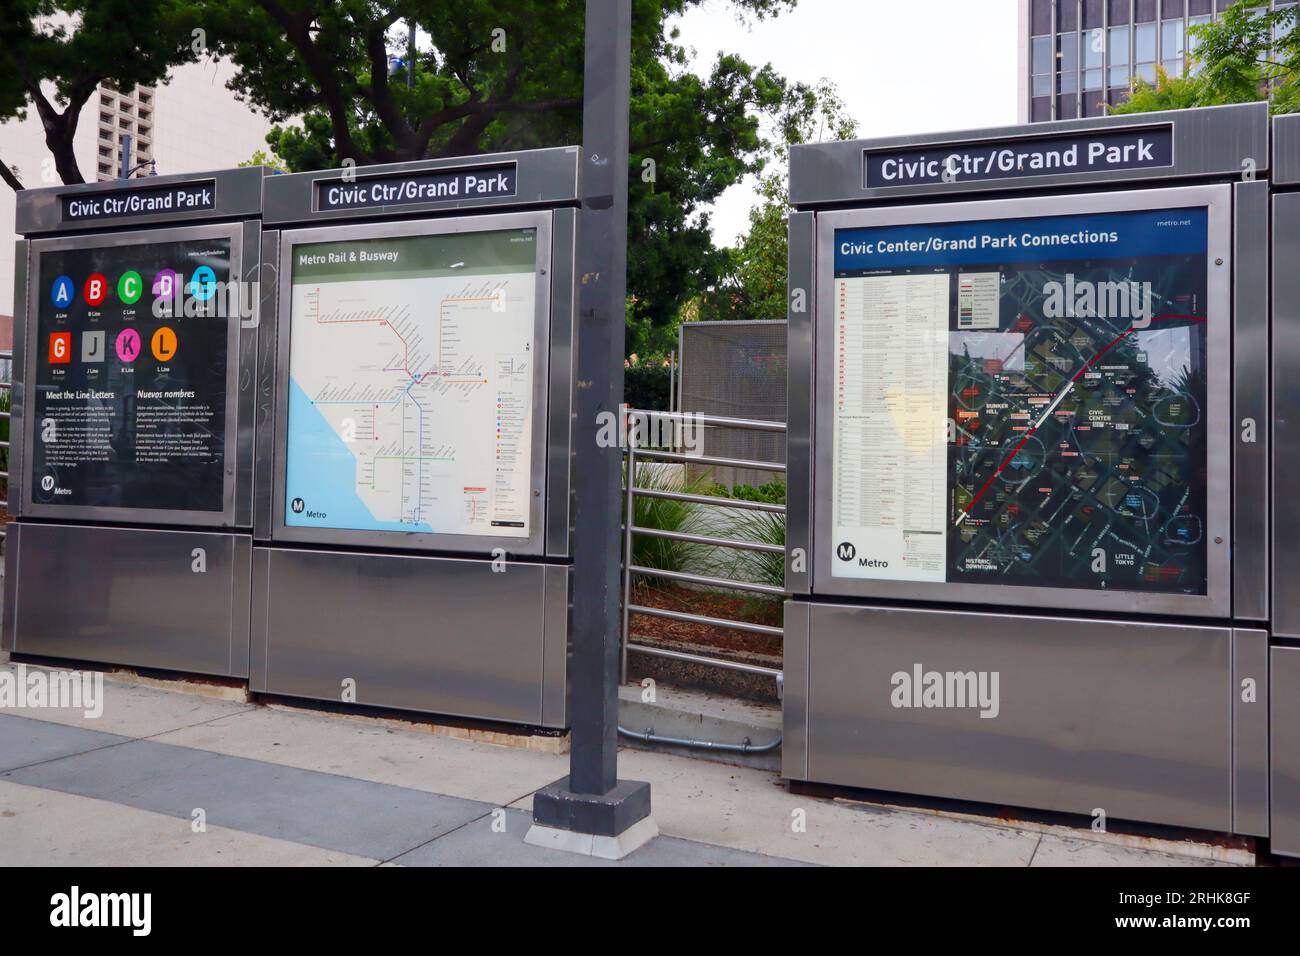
x: 633, y: 455
x: 6, y: 386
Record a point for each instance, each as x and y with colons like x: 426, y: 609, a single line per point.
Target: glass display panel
x: 411, y: 384
x: 1023, y: 402
x: 130, y: 398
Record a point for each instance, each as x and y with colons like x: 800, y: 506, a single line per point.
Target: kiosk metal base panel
x: 1131, y: 718
x: 434, y: 635
x: 1284, y: 765
x: 171, y: 600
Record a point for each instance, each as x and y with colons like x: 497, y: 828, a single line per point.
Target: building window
x: 1144, y: 52
x: 1067, y: 63
x: 1121, y: 63
x: 1042, y: 65
x: 1117, y: 11
x: 1094, y: 59
x: 1194, y: 66
x: 1171, y: 47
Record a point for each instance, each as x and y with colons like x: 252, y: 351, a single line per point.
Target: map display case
x: 138, y: 319
x: 412, y: 521
x: 1025, y: 401
x: 1027, y: 542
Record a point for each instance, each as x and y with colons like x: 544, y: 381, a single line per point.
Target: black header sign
x: 485, y: 182
x: 1083, y: 152
x: 177, y: 197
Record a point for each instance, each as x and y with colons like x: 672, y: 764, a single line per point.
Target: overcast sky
x: 901, y: 66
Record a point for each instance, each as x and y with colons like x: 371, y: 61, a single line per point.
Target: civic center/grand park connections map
x: 1039, y: 416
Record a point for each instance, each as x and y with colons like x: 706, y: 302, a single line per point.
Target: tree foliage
x: 495, y: 75
x: 1237, y: 60
x: 754, y: 285
x: 53, y: 57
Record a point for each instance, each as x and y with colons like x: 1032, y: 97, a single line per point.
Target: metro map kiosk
x: 1022, y: 469
x: 413, y: 533
x: 131, y: 473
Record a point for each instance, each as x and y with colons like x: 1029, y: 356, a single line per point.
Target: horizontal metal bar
x: 688, y: 618
x: 720, y: 421
x: 707, y: 661
x: 711, y: 542
x: 4, y: 444
x: 709, y: 460
x: 711, y: 582
x: 708, y: 500
x: 4, y: 475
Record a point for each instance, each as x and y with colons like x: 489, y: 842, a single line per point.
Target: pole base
x: 611, y: 814
x: 588, y: 844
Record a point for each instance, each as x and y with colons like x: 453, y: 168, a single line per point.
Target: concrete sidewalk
x: 275, y: 785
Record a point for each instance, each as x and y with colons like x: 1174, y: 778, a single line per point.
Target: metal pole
x: 602, y: 270
x: 592, y: 800
x: 124, y: 171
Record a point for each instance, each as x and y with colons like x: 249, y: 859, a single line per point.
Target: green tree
x: 53, y: 57
x: 754, y: 285
x: 507, y: 74
x: 1237, y: 60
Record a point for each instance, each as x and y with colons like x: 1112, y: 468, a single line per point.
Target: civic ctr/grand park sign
x: 1129, y: 148
x: 486, y: 182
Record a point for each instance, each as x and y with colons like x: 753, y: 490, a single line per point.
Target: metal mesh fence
x: 736, y: 370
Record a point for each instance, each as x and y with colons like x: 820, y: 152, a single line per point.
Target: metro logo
x: 95, y: 290
x: 60, y: 348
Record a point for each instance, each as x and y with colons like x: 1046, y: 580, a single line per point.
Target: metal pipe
x: 712, y: 542
x: 720, y: 421
x: 711, y: 582
x: 712, y: 460
x: 629, y: 521
x: 725, y: 665
x: 689, y: 618
x: 711, y: 500
x: 650, y: 737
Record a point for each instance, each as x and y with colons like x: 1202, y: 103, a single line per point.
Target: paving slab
x: 47, y: 828
x: 332, y: 812
x: 370, y: 751
x: 25, y: 741
x: 135, y: 710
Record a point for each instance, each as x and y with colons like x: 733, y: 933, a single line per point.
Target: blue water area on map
x: 322, y: 471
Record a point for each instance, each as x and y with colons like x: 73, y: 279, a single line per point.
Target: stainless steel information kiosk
x: 1284, y: 692
x: 131, y: 469
x: 1028, y: 459
x: 414, y: 533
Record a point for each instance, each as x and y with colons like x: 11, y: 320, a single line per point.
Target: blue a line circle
x: 62, y: 291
